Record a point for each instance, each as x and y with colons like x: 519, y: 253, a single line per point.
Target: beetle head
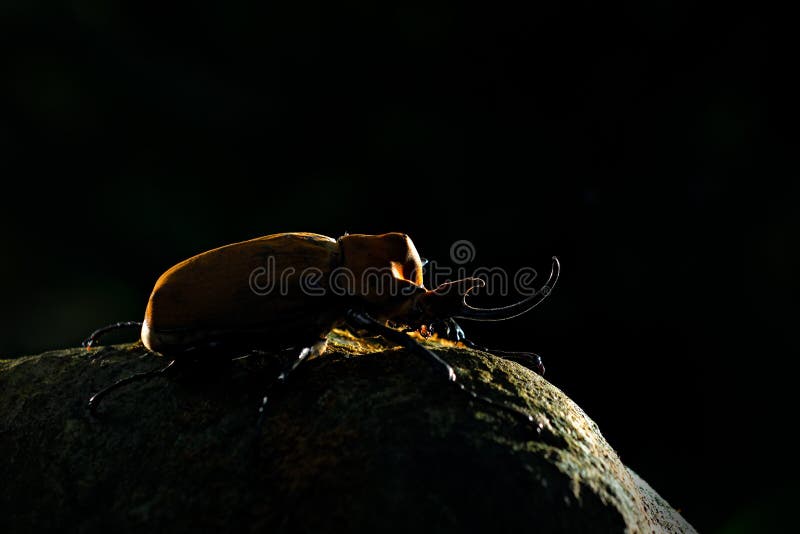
x: 387, y: 275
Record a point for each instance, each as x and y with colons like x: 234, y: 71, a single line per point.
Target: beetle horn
x: 512, y: 310
x: 447, y: 298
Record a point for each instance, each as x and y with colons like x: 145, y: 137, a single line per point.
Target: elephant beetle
x: 291, y: 289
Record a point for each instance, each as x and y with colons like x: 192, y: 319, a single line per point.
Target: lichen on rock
x: 364, y: 438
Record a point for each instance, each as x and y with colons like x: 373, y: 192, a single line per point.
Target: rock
x: 365, y: 438
x: 663, y: 517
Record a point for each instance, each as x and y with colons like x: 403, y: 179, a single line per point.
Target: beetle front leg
x: 448, y: 329
x: 531, y: 360
x: 364, y: 321
x: 452, y: 331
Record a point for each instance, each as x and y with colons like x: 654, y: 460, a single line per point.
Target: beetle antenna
x: 97, y: 334
x: 365, y: 321
x: 94, y: 402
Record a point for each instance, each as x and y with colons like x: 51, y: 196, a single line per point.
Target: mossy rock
x: 366, y: 438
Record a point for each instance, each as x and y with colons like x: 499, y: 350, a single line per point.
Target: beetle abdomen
x: 247, y: 294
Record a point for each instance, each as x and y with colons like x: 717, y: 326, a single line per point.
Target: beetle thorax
x: 383, y: 267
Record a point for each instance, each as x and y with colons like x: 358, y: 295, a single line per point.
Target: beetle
x: 291, y: 289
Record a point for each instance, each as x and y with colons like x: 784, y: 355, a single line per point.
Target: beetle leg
x: 97, y: 334
x: 439, y: 328
x: 306, y: 353
x: 363, y: 320
x: 94, y: 401
x: 455, y: 332
x: 531, y: 360
x: 460, y: 335
x: 447, y: 329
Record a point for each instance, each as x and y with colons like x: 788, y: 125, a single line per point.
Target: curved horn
x: 512, y: 310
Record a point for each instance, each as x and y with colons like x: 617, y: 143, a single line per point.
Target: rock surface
x: 365, y: 439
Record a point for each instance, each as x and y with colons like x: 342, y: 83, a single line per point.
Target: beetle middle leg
x: 306, y: 353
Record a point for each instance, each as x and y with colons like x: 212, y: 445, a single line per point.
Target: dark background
x: 634, y: 140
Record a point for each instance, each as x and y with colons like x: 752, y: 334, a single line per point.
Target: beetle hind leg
x: 100, y: 332
x: 305, y: 354
x: 94, y: 401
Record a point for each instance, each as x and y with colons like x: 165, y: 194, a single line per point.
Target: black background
x: 634, y: 140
